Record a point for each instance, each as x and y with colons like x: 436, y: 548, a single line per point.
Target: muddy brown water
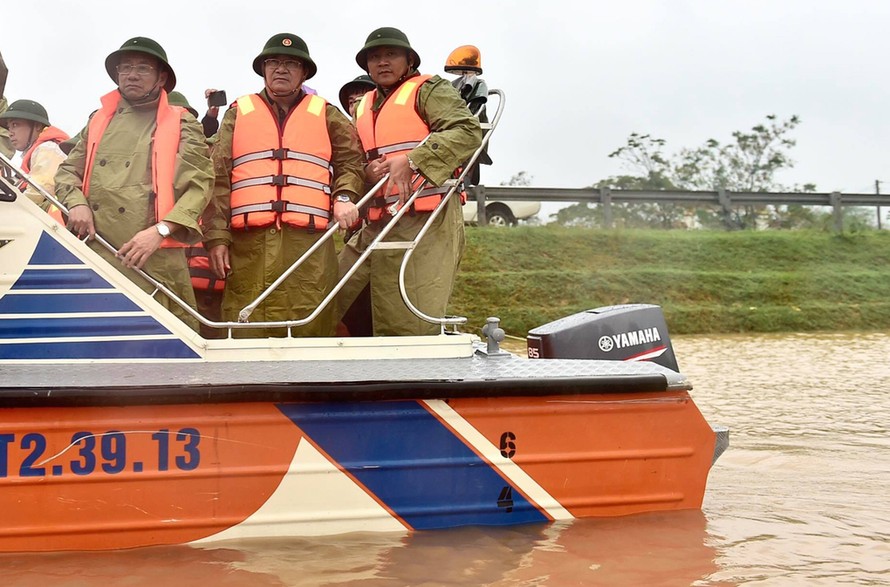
x: 802, y: 497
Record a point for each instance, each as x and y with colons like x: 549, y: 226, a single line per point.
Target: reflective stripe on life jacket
x: 281, y: 175
x: 164, y: 147
x: 48, y: 134
x: 395, y: 129
x: 199, y: 269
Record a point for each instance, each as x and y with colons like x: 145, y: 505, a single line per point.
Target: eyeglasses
x: 141, y: 70
x: 289, y: 64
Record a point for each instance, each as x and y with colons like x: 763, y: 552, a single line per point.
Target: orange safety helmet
x: 464, y: 58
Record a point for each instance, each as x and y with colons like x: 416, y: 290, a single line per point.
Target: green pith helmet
x: 25, y: 110
x: 141, y: 45
x: 359, y: 84
x: 285, y: 44
x: 385, y: 37
x: 177, y: 99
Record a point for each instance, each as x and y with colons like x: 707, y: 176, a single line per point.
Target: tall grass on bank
x: 705, y: 281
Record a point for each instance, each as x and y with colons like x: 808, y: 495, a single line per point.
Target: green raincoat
x: 259, y: 256
x: 5, y: 144
x: 454, y: 135
x: 119, y: 194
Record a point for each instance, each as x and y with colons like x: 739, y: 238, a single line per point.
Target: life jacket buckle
x: 279, y: 154
x: 279, y: 180
x: 278, y: 205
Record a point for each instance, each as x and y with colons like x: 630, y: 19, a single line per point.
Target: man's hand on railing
x: 400, y: 173
x: 136, y: 251
x: 374, y: 169
x: 80, y: 221
x: 345, y: 214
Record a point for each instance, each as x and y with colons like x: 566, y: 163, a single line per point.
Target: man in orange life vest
x: 287, y: 164
x: 33, y: 135
x: 392, y: 120
x: 140, y: 174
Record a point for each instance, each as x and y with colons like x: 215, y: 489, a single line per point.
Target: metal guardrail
x: 722, y: 199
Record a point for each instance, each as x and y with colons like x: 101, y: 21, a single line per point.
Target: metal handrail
x: 11, y: 168
x: 454, y: 320
x: 244, y: 313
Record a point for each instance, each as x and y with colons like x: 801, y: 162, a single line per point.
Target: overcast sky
x: 579, y: 76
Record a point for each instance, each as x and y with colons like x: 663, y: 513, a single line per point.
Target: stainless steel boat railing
x: 8, y: 180
x: 10, y: 171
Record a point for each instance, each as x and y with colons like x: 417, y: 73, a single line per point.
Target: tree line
x: 749, y: 162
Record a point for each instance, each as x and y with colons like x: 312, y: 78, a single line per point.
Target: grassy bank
x: 706, y: 282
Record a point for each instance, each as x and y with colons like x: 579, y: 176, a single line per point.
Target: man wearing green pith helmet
x: 31, y: 133
x: 288, y: 165
x: 392, y: 121
x: 140, y: 174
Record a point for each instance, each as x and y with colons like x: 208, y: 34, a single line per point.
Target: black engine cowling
x: 631, y: 332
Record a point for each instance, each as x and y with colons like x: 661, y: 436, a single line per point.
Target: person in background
x: 5, y: 145
x: 208, y: 287
x: 352, y: 91
x: 466, y: 63
x: 140, y: 174
x: 31, y: 133
x: 356, y: 320
x: 287, y: 165
x: 210, y: 121
x: 175, y: 98
x: 392, y: 121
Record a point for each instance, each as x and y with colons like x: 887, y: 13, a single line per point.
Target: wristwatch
x: 342, y: 198
x: 411, y: 164
x: 163, y: 229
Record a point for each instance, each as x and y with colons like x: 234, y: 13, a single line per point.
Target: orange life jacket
x: 281, y: 175
x: 199, y: 269
x: 395, y: 129
x: 50, y: 133
x: 164, y: 147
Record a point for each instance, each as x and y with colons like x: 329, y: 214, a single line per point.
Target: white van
x: 501, y: 213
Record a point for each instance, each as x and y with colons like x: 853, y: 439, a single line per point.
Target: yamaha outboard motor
x: 631, y: 332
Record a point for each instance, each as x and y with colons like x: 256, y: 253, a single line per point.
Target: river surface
x: 802, y: 497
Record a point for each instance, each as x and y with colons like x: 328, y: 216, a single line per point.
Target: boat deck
x: 329, y: 380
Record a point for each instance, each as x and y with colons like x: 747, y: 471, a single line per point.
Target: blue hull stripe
x: 413, y: 464
x: 71, y: 303
x: 82, y: 330
x: 51, y: 252
x: 112, y: 349
x: 60, y: 279
x: 67, y: 327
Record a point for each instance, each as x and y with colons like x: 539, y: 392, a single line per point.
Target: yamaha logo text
x: 625, y: 339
